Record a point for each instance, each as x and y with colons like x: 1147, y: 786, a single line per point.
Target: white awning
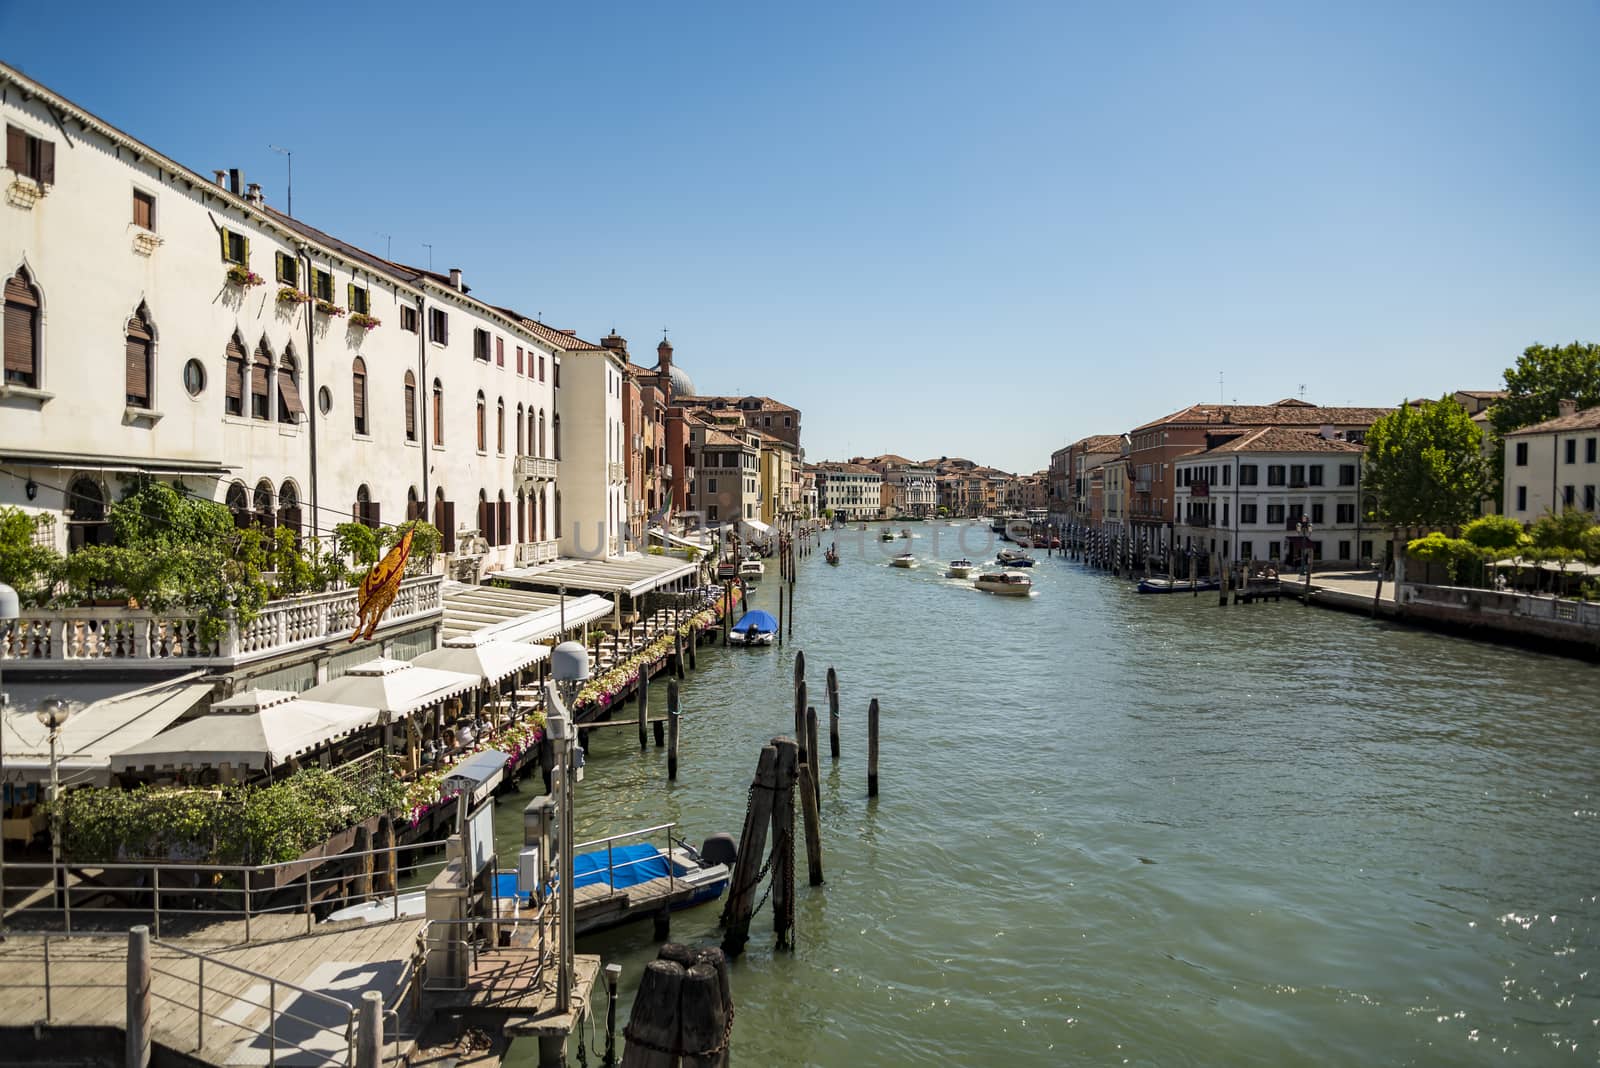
x: 394, y: 687
x: 259, y: 729
x: 634, y: 575
x: 514, y: 614
x: 107, y: 719
x: 758, y: 526
x: 489, y: 658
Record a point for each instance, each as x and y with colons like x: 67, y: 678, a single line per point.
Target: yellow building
x: 777, y: 479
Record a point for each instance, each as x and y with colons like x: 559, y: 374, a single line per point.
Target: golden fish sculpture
x: 378, y: 589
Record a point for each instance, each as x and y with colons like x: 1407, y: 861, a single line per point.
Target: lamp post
x: 53, y: 713
x: 10, y: 609
x: 569, y: 668
x: 1305, y: 528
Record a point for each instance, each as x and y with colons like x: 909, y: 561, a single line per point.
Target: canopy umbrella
x: 492, y: 661
x: 259, y: 729
x: 396, y: 688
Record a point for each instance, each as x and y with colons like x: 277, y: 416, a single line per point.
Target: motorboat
x: 887, y: 535
x: 1019, y: 531
x: 1013, y: 558
x: 752, y: 570
x: 962, y: 568
x: 755, y: 627
x: 1166, y: 584
x: 905, y: 532
x: 1004, y: 583
x: 904, y: 560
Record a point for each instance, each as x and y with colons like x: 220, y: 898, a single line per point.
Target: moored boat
x: 1166, y: 584
x: 1013, y: 558
x: 1004, y: 583
x: 752, y: 570
x: 755, y: 627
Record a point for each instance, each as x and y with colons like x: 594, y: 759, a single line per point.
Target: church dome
x: 682, y: 384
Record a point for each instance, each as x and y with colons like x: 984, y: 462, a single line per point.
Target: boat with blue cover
x: 755, y: 627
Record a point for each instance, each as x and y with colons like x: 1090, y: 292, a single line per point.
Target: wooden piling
x: 703, y: 1020
x: 833, y: 714
x: 727, y: 611
x: 812, y: 817
x: 652, y: 1031
x: 800, y: 717
x: 752, y: 848
x: 872, y: 748
x: 813, y: 753
x: 783, y: 840
x: 677, y: 646
x: 387, y: 878
x: 137, y: 1012
x: 644, y: 703
x: 672, y: 731
x: 799, y: 665
x: 361, y: 887
x: 780, y: 615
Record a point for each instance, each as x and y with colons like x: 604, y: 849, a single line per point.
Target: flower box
x: 243, y: 277
x: 328, y: 307
x: 365, y: 321
x: 291, y: 295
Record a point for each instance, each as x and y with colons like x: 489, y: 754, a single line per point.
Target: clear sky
x: 966, y: 229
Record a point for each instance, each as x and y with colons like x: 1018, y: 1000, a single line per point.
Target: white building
x: 1552, y: 466
x: 264, y: 363
x: 853, y: 491
x: 914, y: 490
x: 1245, y: 497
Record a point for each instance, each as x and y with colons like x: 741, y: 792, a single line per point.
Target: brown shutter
x: 47, y: 163
x: 290, y: 392
x: 142, y: 204
x: 359, y: 394
x: 369, y: 514
x: 137, y: 363
x: 258, y: 375
x: 505, y: 522
x: 447, y: 525
x: 19, y: 347
x: 411, y: 412
x: 235, y: 370
x: 485, y: 524
x: 16, y: 150
x: 415, y: 510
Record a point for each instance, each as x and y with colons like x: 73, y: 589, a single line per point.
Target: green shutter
x: 224, y: 244
x: 350, y: 295
x: 246, y: 253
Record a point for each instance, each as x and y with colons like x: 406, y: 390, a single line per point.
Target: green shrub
x: 31, y: 569
x: 1498, y: 532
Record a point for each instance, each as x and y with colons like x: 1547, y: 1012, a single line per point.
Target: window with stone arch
x: 138, y: 358
x: 22, y: 340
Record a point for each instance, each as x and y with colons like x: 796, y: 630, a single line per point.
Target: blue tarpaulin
x: 756, y: 619
x: 629, y: 866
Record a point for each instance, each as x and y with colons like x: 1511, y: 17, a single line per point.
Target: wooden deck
x: 598, y: 906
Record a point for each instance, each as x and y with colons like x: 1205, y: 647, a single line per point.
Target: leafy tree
x: 1591, y: 545
x: 1566, y: 530
x: 1494, y: 532
x: 425, y: 542
x: 1425, y: 466
x: 1535, y: 385
x: 31, y: 569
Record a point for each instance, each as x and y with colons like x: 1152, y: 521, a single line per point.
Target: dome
x: 682, y: 384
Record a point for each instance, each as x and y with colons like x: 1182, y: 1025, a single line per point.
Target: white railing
x: 665, y: 471
x: 536, y: 467
x: 536, y: 552
x: 1584, y: 614
x: 120, y: 638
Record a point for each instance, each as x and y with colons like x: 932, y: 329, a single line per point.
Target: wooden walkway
x: 246, y: 1017
x: 598, y: 905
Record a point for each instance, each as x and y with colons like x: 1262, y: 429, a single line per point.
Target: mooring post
x: 672, y: 732
x: 652, y: 1031
x: 387, y: 879
x: 788, y: 771
x: 704, y: 1019
x: 780, y: 615
x: 800, y: 717
x: 369, y: 1030
x: 812, y: 817
x: 813, y: 753
x: 727, y: 611
x: 833, y: 714
x: 799, y: 665
x: 752, y: 847
x: 791, y: 607
x: 138, y: 1006
x: 872, y: 748
x: 644, y: 703
x: 1194, y: 573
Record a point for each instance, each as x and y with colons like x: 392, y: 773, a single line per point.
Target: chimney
x: 1566, y: 406
x: 616, y: 343
x: 1327, y: 432
x: 253, y: 195
x: 236, y: 181
x: 220, y: 176
x: 455, y: 279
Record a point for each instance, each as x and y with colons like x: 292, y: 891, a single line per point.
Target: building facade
x: 853, y: 491
x: 1554, y: 465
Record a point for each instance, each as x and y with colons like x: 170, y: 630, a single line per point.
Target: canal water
x: 1122, y: 829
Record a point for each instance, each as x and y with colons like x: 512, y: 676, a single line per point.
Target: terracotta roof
x: 845, y: 468
x: 1279, y: 439
x: 1483, y: 394
x: 1586, y: 419
x: 1281, y: 414
x: 1098, y: 443
x: 767, y: 403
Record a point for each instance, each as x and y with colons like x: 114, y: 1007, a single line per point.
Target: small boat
x: 904, y: 560
x: 755, y: 627
x: 887, y: 535
x: 962, y: 568
x: 1164, y: 584
x: 832, y: 555
x: 1013, y: 558
x: 1019, y: 531
x: 1005, y: 583
x: 752, y: 570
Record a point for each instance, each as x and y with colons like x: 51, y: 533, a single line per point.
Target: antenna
x: 430, y: 254
x: 289, y: 189
x: 388, y: 244
x: 1302, y: 391
x: 1220, y: 375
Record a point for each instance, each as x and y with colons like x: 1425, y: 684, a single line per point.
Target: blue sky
x: 982, y: 230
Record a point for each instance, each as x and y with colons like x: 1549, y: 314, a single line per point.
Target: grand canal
x: 1117, y: 829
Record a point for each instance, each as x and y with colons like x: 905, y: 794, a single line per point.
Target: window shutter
x: 505, y: 522
x: 369, y: 514
x: 19, y: 341
x: 235, y: 370
x: 223, y: 233
x: 16, y: 149
x: 137, y: 363
x: 47, y: 163
x: 141, y: 210
x: 290, y: 392
x: 411, y: 412
x: 415, y: 510
x: 447, y: 525
x: 350, y: 295
x: 258, y: 375
x: 358, y: 396
x: 247, y: 252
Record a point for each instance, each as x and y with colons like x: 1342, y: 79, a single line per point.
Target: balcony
x: 665, y: 470
x: 536, y: 552
x: 124, y: 639
x: 616, y: 473
x: 536, y: 468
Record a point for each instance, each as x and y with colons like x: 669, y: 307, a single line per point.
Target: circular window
x: 324, y: 400
x: 194, y: 377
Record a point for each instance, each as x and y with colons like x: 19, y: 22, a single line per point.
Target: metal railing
x: 453, y: 949
x: 610, y: 841
x: 166, y: 891
x: 15, y: 975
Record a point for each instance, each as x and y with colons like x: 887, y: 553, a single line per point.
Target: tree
x: 1425, y: 465
x: 31, y: 568
x: 1565, y: 530
x: 1494, y: 532
x: 1535, y: 386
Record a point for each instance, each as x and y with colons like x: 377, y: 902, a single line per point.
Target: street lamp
x: 10, y: 609
x: 1305, y: 528
x: 569, y: 668
x: 53, y: 713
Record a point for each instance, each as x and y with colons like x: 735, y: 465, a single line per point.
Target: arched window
x: 414, y: 508
x: 86, y: 508
x: 540, y: 451
x: 519, y: 438
x: 238, y: 502
x: 555, y: 434
x: 365, y: 511
x: 358, y: 394
x: 500, y: 426
x: 289, y: 508
x: 235, y: 375
x: 411, y: 406
x: 140, y: 345
x: 558, y: 508
x: 261, y: 500
x: 522, y: 517
x: 485, y: 517
x: 503, y: 521
x: 260, y: 381
x: 438, y: 413
x: 444, y: 518
x: 21, y: 339
x: 290, y: 408
x: 483, y: 430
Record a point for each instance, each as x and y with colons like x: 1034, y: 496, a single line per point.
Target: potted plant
x: 243, y: 277
x: 365, y: 321
x: 291, y: 295
x: 328, y: 307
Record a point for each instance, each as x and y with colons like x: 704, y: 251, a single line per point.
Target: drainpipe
x: 311, y: 395
x: 424, y: 401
